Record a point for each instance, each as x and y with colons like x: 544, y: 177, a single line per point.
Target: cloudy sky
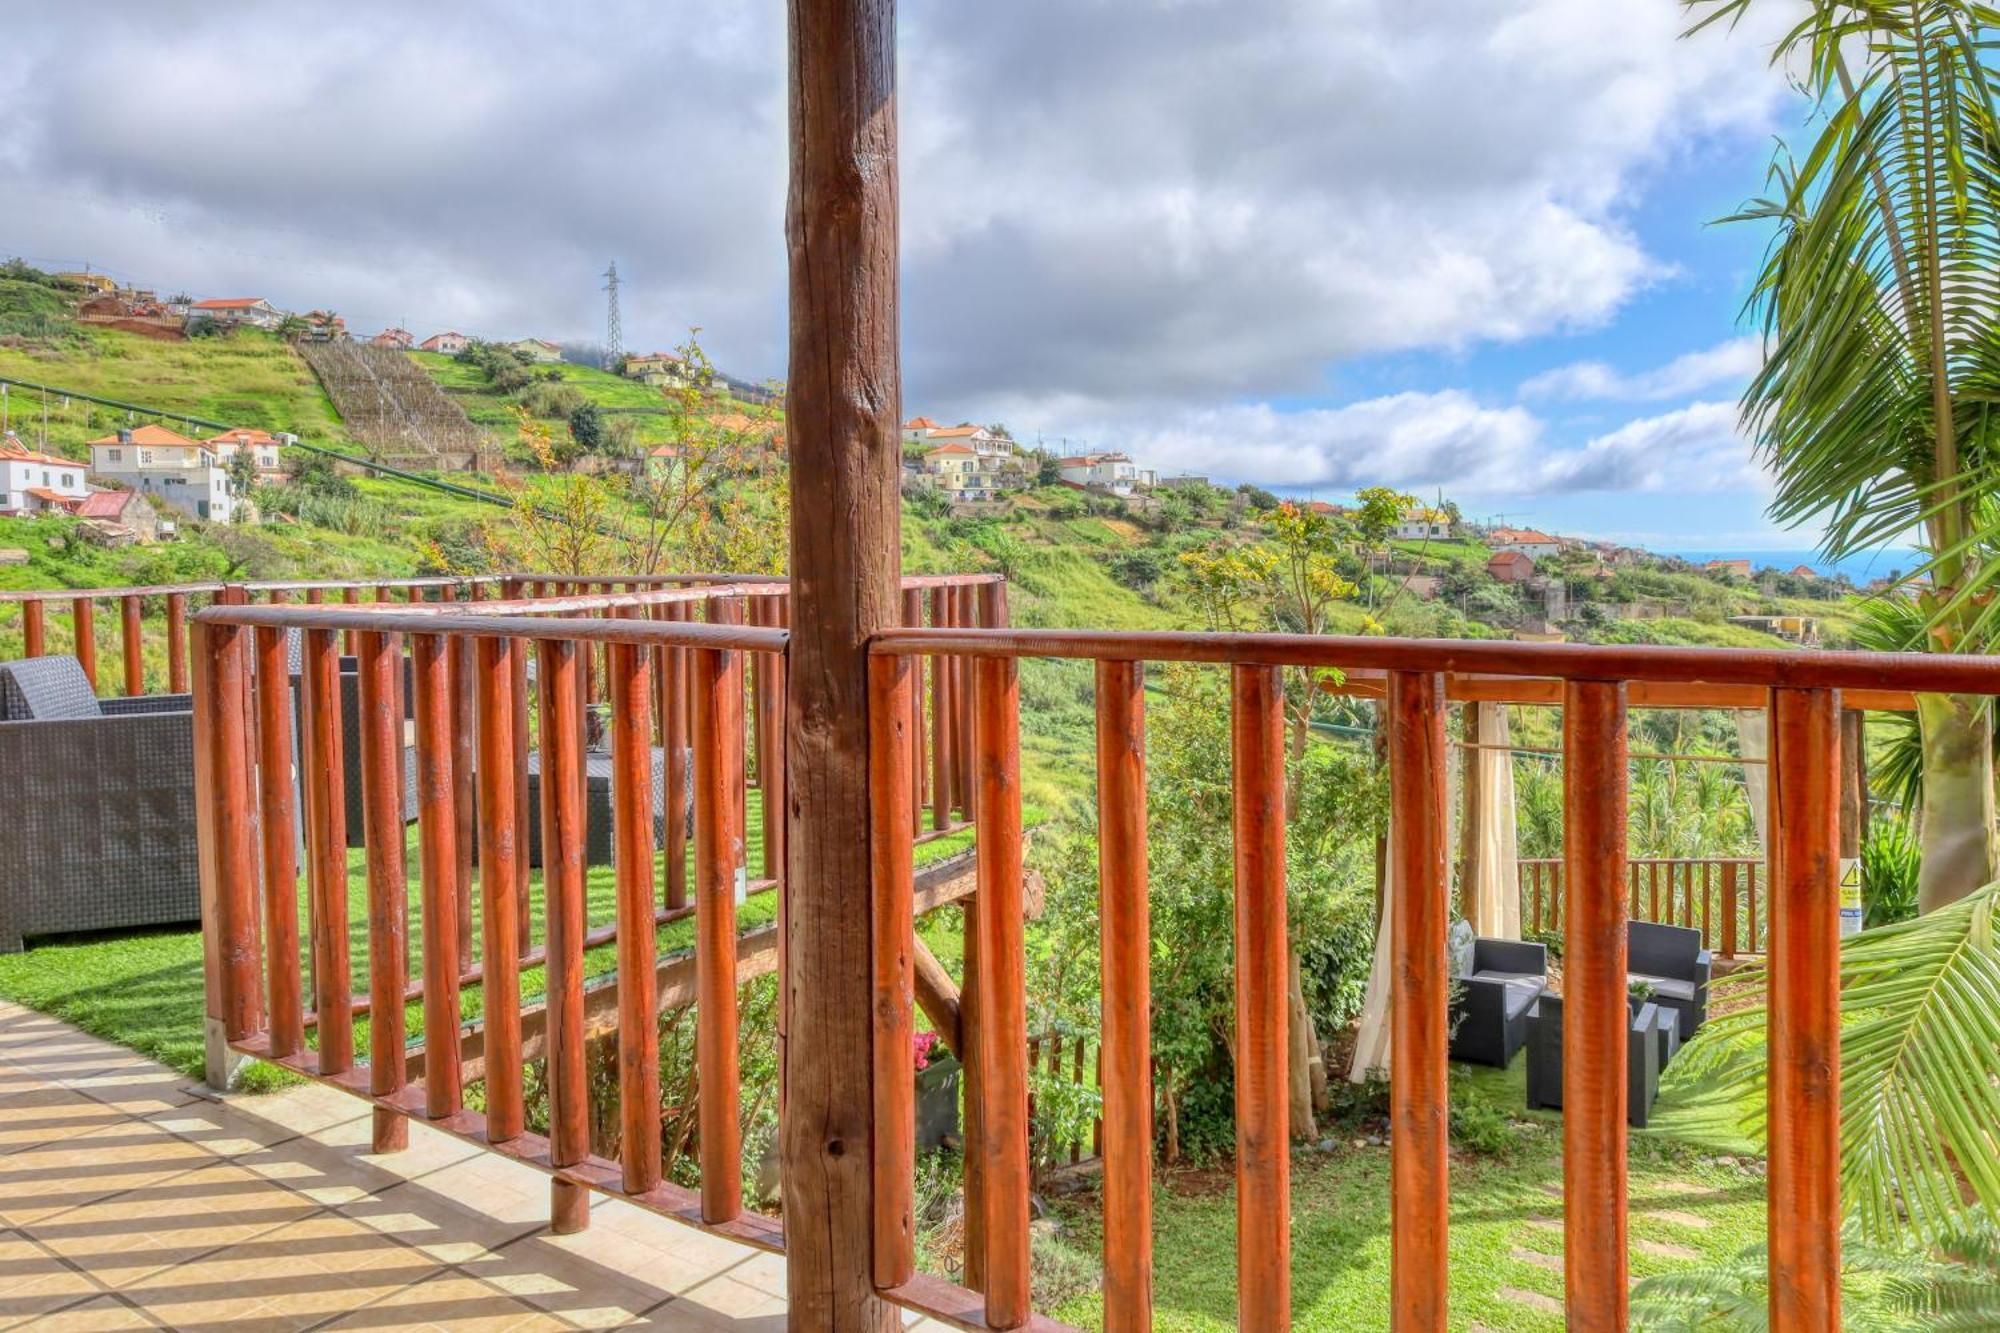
x: 1458, y: 246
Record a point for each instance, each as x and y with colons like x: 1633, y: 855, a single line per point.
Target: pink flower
x: 923, y: 1045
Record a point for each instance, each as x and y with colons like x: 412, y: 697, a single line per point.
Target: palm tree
x: 1881, y: 316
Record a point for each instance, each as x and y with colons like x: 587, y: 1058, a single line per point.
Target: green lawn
x: 144, y: 989
x: 1506, y: 1222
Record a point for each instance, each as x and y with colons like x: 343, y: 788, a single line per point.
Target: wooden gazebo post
x: 844, y: 402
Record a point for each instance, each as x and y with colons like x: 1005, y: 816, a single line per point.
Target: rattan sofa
x: 97, y: 809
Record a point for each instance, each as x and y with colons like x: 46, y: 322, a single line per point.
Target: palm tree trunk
x: 1304, y: 1043
x: 1958, y: 834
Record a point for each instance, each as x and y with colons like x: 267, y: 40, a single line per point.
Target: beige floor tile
x: 306, y: 1109
x: 453, y: 1302
x: 43, y: 1181
x: 139, y: 1090
x: 644, y: 1249
x: 127, y: 1236
x: 291, y: 1276
x: 48, y: 1112
x: 34, y: 1282
x: 429, y: 1149
x: 103, y: 1315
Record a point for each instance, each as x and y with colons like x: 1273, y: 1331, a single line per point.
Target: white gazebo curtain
x: 1493, y: 894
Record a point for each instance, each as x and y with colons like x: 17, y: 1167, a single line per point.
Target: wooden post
x: 892, y: 777
x: 1263, y: 1134
x: 326, y: 849
x: 177, y: 648
x: 379, y: 667
x: 437, y: 830
x: 228, y: 846
x: 83, y: 626
x: 559, y: 672
x: 846, y: 446
x: 1595, y: 1017
x: 1419, y: 992
x: 278, y: 824
x: 1804, y: 1078
x: 1126, y: 1054
x: 718, y: 864
x: 1003, y: 1145
x: 628, y: 683
x: 132, y: 639
x: 34, y: 628
x: 1853, y: 782
x: 500, y: 852
x: 1469, y: 807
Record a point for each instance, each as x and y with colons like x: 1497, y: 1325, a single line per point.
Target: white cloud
x: 1731, y: 363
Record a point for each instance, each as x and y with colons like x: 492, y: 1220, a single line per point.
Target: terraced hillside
x: 392, y: 408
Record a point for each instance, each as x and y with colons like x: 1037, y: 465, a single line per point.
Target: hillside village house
x: 184, y: 473
x: 446, y: 344
x: 1421, y: 525
x: 1739, y: 568
x: 238, y: 311
x: 128, y: 510
x: 1526, y: 541
x: 1184, y: 479
x: 399, y: 339
x: 918, y: 429
x: 1113, y: 472
x: 32, y: 482
x: 537, y: 349
x: 662, y: 370
x: 966, y: 462
x: 95, y: 282
x: 262, y: 444
x: 1511, y: 567
x: 956, y: 470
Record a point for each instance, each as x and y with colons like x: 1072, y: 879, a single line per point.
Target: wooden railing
x: 1800, y: 930
x: 1718, y: 895
x: 281, y: 980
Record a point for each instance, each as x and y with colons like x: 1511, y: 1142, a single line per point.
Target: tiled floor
x: 129, y: 1198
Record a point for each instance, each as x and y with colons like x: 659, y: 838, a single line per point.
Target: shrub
x: 1890, y: 859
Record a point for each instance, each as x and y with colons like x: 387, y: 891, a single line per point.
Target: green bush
x: 1890, y: 858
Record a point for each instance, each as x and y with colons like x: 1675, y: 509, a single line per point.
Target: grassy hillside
x: 493, y: 410
x: 245, y: 379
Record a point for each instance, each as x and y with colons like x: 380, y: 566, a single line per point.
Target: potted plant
x: 937, y: 1074
x: 1638, y: 993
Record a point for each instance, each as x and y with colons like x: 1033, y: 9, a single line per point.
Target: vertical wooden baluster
x: 132, y: 640
x: 942, y: 763
x: 1707, y: 891
x: 1729, y: 909
x: 913, y: 615
x: 973, y: 1081
x: 1126, y: 995
x: 523, y: 908
x: 326, y: 849
x: 1419, y: 986
x: 381, y: 662
x: 891, y: 777
x: 1595, y: 1016
x: 967, y: 779
x: 278, y: 823
x: 34, y: 628
x: 83, y: 627
x: 464, y: 730
x: 629, y: 683
x: 718, y: 853
x: 177, y: 662
x: 769, y: 694
x: 559, y: 672
x: 437, y: 831
x: 674, y: 735
x: 351, y: 595
x: 222, y: 695
x: 1804, y: 1077
x: 1003, y: 1042
x: 500, y: 856
x: 1652, y: 872
x: 1750, y: 907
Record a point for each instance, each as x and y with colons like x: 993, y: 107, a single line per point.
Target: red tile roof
x: 155, y: 436
x: 104, y: 504
x: 231, y: 303
x: 947, y: 449
x: 920, y: 423
x: 47, y: 496
x: 1528, y: 535
x: 14, y: 451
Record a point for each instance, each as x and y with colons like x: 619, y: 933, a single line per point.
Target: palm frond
x: 1920, y: 1067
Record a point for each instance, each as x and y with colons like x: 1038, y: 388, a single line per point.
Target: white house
x: 399, y: 339
x: 1115, y: 473
x: 182, y: 472
x: 253, y: 311
x: 1423, y: 525
x: 661, y: 370
x: 1534, y: 545
x: 262, y: 444
x: 537, y: 349
x: 918, y: 429
x: 32, y: 482
x: 445, y: 344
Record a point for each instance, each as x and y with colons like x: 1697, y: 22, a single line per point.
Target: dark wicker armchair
x: 1500, y: 981
x: 1671, y: 960
x: 99, y: 832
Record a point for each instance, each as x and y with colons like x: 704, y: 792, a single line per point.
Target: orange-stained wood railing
x: 1720, y: 896
x: 693, y: 665
x: 1799, y: 932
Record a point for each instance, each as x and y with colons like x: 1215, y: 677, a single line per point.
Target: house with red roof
x: 127, y: 509
x: 1526, y: 541
x: 399, y: 339
x: 1511, y: 567
x: 186, y: 474
x: 238, y: 311
x: 262, y: 444
x: 446, y: 344
x: 33, y: 482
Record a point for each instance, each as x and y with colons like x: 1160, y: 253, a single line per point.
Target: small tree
x: 586, y: 427
x: 241, y: 469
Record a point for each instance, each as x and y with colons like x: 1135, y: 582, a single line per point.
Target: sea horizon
x: 1862, y: 566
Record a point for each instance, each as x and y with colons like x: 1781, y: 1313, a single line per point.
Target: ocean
x: 1863, y: 567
